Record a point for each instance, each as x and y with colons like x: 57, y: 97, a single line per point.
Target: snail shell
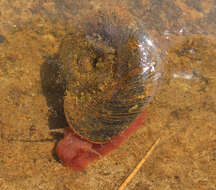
x: 111, y: 73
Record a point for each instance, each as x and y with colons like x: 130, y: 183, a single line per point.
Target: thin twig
x: 136, y: 169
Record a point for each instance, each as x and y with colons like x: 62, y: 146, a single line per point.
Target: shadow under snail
x: 111, y: 73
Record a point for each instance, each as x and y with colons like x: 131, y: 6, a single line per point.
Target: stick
x: 136, y: 169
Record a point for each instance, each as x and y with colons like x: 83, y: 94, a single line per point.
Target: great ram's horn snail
x: 111, y: 73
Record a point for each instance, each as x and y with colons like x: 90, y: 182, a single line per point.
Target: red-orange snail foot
x: 77, y: 153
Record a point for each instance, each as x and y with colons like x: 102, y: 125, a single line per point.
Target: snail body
x: 111, y: 73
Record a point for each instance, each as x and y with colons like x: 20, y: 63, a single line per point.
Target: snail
x: 111, y: 72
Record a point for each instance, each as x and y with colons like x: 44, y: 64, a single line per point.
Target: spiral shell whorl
x: 111, y: 72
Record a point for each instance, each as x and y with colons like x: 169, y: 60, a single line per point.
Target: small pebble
x: 2, y: 38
